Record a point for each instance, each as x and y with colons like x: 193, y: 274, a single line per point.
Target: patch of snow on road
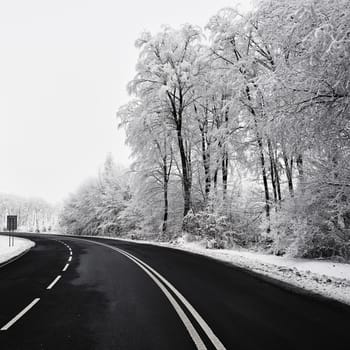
x: 7, y: 253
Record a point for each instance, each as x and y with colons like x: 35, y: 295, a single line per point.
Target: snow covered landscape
x: 9, y: 252
x: 176, y: 171
x: 238, y: 131
x: 241, y: 138
x: 326, y: 278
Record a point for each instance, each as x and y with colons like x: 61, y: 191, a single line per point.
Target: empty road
x: 72, y: 293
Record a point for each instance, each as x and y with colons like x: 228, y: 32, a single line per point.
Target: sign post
x: 11, y: 227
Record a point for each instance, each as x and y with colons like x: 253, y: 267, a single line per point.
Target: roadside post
x: 11, y: 227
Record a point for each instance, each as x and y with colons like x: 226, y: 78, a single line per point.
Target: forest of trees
x: 99, y: 205
x: 239, y: 131
x: 34, y: 214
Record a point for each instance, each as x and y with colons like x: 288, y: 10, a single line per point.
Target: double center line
x: 167, y: 288
x: 176, y: 299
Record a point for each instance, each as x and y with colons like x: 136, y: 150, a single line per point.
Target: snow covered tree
x: 152, y: 144
x: 254, y: 121
x: 96, y: 207
x: 167, y: 66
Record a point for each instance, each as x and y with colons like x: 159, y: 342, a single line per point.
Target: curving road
x: 70, y: 293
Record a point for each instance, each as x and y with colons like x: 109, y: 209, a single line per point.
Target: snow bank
x: 7, y: 253
x: 322, y: 277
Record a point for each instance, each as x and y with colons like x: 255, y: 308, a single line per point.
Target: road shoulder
x: 10, y: 253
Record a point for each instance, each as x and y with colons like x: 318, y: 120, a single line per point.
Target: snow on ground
x: 7, y: 253
x: 322, y: 277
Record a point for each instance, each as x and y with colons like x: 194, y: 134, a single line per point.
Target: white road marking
x: 67, y: 245
x: 185, y: 320
x: 158, y: 279
x: 70, y: 258
x: 208, y: 331
x: 16, y: 318
x: 54, y: 282
x: 65, y: 268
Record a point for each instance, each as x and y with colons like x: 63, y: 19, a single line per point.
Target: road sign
x: 11, y: 222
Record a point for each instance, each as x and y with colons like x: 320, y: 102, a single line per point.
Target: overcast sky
x: 64, y: 66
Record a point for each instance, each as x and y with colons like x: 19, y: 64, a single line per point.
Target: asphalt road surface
x: 69, y: 293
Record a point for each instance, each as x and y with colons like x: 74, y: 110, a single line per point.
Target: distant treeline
x: 34, y: 214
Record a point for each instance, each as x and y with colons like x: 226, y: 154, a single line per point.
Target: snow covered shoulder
x: 20, y: 246
x: 323, y: 277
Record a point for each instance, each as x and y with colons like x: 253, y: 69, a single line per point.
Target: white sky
x: 64, y: 66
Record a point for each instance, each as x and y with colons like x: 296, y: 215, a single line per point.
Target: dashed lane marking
x: 54, y: 282
x: 36, y: 300
x: 18, y: 316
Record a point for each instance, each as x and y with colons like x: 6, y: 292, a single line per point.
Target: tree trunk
x: 165, y: 193
x: 206, y: 166
x: 262, y: 160
x: 215, y: 178
x: 278, y: 183
x: 224, y: 169
x: 300, y: 168
x: 225, y: 165
x: 264, y: 176
x: 186, y: 171
x: 186, y: 180
x: 272, y: 171
x: 289, y: 173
